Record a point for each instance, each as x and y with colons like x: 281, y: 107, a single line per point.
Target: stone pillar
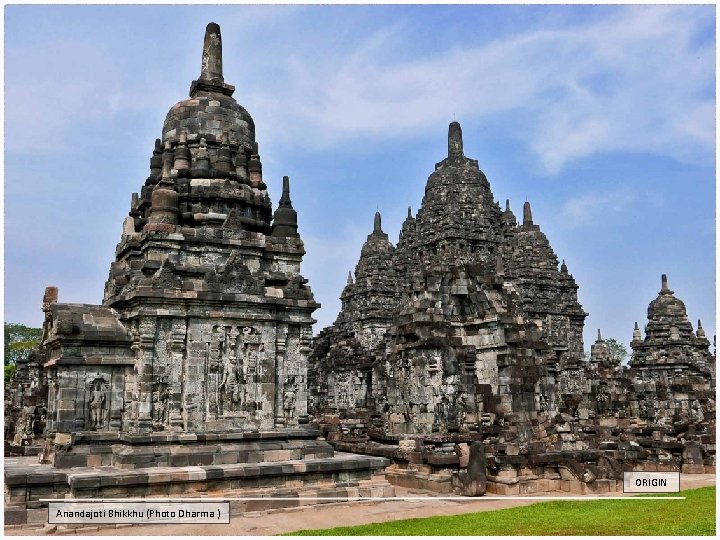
x: 281, y: 331
x: 116, y: 396
x: 305, y: 349
x: 179, y: 330
x: 145, y: 353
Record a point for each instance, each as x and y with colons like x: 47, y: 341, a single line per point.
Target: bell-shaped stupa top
x: 211, y: 110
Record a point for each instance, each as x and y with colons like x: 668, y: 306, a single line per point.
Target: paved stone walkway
x: 340, y: 514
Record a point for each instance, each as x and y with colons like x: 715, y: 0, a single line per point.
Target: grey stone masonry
x: 469, y: 330
x: 465, y: 322
x: 191, y: 378
x: 206, y: 320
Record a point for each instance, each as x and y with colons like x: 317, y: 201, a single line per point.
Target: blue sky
x: 603, y: 117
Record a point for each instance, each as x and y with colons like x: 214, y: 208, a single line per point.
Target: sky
x: 603, y: 117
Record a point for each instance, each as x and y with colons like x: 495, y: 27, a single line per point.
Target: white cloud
x: 631, y: 82
x: 585, y: 208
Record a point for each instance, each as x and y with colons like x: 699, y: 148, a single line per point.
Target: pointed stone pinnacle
x: 665, y: 289
x: 212, y: 53
x: 350, y: 278
x: 507, y: 205
x: 527, y: 214
x: 455, y: 141
x: 599, y: 338
x: 377, y: 225
x: 285, y: 197
x: 409, y: 212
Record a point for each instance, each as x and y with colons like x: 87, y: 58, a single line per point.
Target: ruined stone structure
x: 458, y: 352
x: 467, y: 332
x: 198, y: 354
x: 206, y: 320
x: 26, y: 406
x: 467, y: 320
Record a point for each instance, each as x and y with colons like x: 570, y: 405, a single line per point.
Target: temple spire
x: 700, y: 331
x: 285, y: 197
x: 409, y: 212
x: 507, y: 205
x: 527, y: 214
x: 285, y: 217
x: 599, y: 338
x: 664, y: 290
x: 637, y: 336
x: 350, y: 278
x: 211, y: 72
x: 377, y: 225
x: 455, y: 142
x: 212, y: 53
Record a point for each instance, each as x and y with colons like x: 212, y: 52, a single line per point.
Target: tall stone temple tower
x: 206, y: 320
x: 459, y: 352
x: 192, y: 375
x: 467, y: 320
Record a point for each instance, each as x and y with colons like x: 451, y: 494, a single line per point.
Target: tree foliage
x: 19, y: 340
x: 618, y: 351
x: 10, y: 370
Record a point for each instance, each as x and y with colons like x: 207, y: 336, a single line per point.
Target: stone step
x: 128, y: 457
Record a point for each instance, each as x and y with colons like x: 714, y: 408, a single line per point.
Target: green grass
x: 693, y: 516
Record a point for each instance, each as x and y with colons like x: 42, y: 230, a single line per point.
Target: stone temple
x: 468, y: 333
x: 198, y: 355
x: 456, y: 363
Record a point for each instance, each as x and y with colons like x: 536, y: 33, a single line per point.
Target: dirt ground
x: 338, y: 514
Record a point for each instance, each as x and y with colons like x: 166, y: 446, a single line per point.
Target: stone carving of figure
x: 289, y: 397
x: 230, y: 387
x: 603, y: 399
x: 696, y: 411
x: 441, y: 411
x: 162, y: 404
x: 97, y: 405
x: 463, y: 409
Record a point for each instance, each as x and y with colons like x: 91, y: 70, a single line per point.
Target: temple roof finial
x: 455, y: 142
x: 212, y: 53
x: 377, y: 225
x: 350, y: 278
x: 527, y: 214
x: 665, y: 289
x: 599, y: 338
x: 409, y: 212
x: 700, y: 331
x: 507, y: 205
x: 637, y: 336
x: 211, y: 72
x: 285, y: 197
x: 285, y: 217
